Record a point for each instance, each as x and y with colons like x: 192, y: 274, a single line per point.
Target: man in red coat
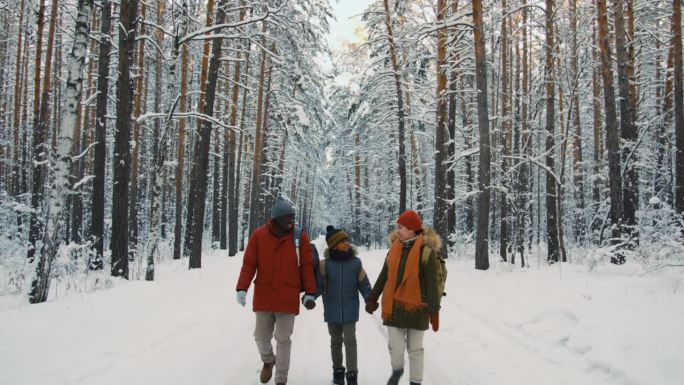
x: 280, y: 274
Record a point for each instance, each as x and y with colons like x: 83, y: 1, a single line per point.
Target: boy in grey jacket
x: 340, y: 280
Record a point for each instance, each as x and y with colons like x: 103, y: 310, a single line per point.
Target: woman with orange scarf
x: 410, y: 297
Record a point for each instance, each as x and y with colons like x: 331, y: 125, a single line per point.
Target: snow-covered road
x: 522, y: 327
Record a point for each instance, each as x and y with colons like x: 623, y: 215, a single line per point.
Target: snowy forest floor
x: 541, y: 325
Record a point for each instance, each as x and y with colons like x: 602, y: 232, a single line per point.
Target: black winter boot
x: 338, y: 376
x: 394, y: 378
x: 352, y: 378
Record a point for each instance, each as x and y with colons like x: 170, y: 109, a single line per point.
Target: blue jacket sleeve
x: 364, y: 282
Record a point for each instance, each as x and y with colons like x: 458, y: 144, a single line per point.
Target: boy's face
x: 342, y: 246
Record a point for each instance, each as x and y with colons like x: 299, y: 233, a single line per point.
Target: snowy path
x: 186, y: 328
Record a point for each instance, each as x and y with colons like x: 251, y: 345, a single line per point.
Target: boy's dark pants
x: 343, y: 333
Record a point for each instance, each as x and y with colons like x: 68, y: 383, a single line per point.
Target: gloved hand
x: 371, y: 306
x: 309, y: 301
x: 241, y: 297
x: 434, y: 321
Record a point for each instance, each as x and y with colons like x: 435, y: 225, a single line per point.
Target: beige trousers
x: 280, y: 326
x: 401, y: 340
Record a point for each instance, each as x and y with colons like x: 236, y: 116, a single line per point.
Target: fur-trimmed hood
x: 355, y: 250
x: 432, y: 239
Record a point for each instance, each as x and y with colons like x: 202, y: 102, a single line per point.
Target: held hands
x: 434, y: 321
x: 241, y: 297
x: 309, y: 301
x: 371, y: 306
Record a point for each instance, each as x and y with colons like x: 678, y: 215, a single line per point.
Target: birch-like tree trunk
x: 61, y: 183
x: 161, y: 139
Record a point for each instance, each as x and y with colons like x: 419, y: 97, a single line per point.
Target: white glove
x: 241, y: 297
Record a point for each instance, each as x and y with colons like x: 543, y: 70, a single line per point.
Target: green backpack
x: 441, y: 268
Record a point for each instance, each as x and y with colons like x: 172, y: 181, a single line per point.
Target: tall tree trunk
x: 40, y: 124
x: 268, y: 199
x: 506, y: 135
x: 578, y: 168
x: 451, y: 149
x: 4, y: 135
x: 100, y: 148
x: 40, y: 28
x: 17, y: 106
x: 198, y: 180
x: 612, y: 138
x: 180, y: 153
x: 141, y: 88
x: 598, y: 137
x: 255, y: 190
x: 241, y: 220
x: 482, y: 239
x: 524, y: 204
x: 678, y: 105
x: 228, y: 206
x: 441, y: 205
x: 161, y: 138
x: 668, y: 113
x: 235, y: 191
x: 470, y: 178
x: 400, y: 107
x: 216, y: 212
x: 79, y: 141
x: 122, y: 138
x: 553, y: 246
x: 630, y: 187
x: 40, y: 284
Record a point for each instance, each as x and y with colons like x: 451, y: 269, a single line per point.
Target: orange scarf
x: 407, y: 295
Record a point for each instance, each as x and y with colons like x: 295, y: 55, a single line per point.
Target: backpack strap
x: 362, y: 273
x: 321, y: 270
x: 425, y: 254
x: 298, y: 243
x: 321, y: 267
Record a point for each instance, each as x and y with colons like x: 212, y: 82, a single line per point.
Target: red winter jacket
x: 278, y: 278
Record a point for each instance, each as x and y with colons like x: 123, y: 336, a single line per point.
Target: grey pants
x: 283, y: 324
x: 343, y: 333
x: 401, y: 340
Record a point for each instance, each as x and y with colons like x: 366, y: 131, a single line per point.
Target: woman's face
x: 404, y: 233
x: 342, y: 246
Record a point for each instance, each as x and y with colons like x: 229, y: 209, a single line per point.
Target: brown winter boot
x: 267, y: 372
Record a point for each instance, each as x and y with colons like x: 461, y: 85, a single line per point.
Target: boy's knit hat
x: 334, y: 236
